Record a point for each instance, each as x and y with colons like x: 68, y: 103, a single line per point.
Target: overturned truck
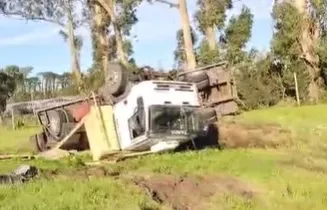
x: 153, y: 115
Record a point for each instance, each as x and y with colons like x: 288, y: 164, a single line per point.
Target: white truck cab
x: 157, y: 115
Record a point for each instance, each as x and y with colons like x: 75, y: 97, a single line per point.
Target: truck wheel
x: 208, y: 114
x: 195, y: 76
x: 38, y: 142
x: 56, y: 119
x: 116, y: 79
x: 203, y: 85
x: 199, y: 77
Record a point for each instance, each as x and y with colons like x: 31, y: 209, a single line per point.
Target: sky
x: 39, y: 44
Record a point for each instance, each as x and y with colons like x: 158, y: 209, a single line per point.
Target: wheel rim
x: 114, y: 77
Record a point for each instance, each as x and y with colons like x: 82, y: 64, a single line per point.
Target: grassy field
x: 290, y: 177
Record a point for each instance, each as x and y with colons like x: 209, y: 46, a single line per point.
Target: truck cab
x: 157, y: 115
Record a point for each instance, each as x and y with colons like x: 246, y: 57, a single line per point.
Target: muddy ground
x: 237, y: 135
x: 191, y: 192
x: 176, y: 192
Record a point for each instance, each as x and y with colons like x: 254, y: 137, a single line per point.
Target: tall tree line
x: 43, y: 85
x: 298, y: 44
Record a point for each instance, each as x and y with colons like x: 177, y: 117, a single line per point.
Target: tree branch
x: 19, y: 16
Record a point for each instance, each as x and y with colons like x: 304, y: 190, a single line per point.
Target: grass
x: 15, y: 141
x: 288, y: 178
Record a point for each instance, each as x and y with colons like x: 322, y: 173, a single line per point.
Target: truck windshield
x: 171, y: 119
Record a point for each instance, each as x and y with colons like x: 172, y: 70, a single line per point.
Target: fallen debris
x: 26, y: 156
x: 54, y: 154
x: 22, y: 174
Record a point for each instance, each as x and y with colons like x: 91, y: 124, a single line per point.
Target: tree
x: 122, y: 14
x: 237, y: 34
x: 18, y: 78
x: 7, y: 88
x: 210, y: 16
x: 205, y: 54
x: 99, y: 22
x: 295, y: 44
x: 60, y: 12
x: 127, y: 46
x: 187, y: 35
x: 308, y: 41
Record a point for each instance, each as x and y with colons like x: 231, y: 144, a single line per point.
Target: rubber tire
x: 195, y: 77
x: 203, y: 85
x: 56, y: 119
x: 116, y: 79
x: 208, y: 114
x: 38, y: 142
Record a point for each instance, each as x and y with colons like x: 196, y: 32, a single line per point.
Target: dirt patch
x: 80, y: 173
x: 238, y: 135
x: 191, y: 192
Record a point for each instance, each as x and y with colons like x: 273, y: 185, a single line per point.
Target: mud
x: 191, y: 192
x: 238, y: 135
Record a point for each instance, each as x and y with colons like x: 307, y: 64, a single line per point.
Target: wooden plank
x: 25, y: 156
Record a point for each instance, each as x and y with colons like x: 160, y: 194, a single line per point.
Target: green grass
x: 16, y: 141
x: 288, y: 178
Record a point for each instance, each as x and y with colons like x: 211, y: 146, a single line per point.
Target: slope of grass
x: 287, y: 178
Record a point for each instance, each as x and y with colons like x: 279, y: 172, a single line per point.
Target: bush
x: 265, y: 82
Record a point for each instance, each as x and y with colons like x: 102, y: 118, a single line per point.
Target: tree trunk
x: 190, y: 57
x: 210, y: 30
x: 309, y: 42
x: 211, y: 38
x: 73, y: 48
x: 110, y: 7
x: 99, y: 24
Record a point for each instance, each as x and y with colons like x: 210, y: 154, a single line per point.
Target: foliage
x: 287, y: 50
x: 179, y: 53
x: 94, y: 79
x: 7, y: 88
x: 257, y: 87
x: 42, y: 86
x: 127, y: 14
x: 237, y: 34
x: 213, y: 15
x: 78, y: 39
x: 285, y: 41
x: 128, y: 48
x: 264, y: 81
x: 205, y: 55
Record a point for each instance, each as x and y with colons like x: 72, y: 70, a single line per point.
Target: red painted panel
x: 80, y: 110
